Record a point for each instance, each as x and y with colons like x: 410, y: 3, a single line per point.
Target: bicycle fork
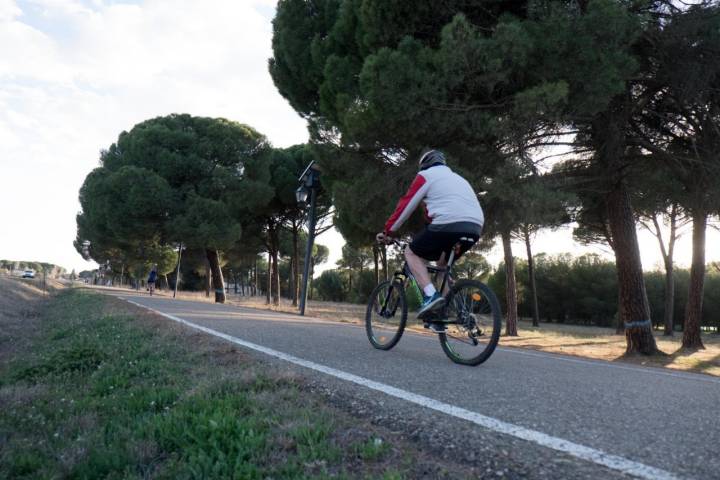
x: 383, y: 309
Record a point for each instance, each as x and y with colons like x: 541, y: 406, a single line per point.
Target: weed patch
x: 98, y: 394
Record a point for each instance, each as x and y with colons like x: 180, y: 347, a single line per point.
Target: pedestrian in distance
x: 152, y: 278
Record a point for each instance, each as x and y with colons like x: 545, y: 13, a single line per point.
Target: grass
x: 99, y: 390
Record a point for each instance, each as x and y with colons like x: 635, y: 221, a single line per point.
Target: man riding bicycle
x: 452, y: 211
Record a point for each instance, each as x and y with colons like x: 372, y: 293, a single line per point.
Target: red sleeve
x: 403, y: 203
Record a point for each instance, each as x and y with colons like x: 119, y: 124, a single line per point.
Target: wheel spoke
x: 460, y: 339
x: 475, y: 315
x: 386, y: 315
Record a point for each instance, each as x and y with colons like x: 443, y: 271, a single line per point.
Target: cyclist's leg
x: 417, y: 267
x: 442, y: 263
x: 427, y: 245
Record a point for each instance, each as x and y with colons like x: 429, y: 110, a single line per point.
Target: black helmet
x: 430, y: 158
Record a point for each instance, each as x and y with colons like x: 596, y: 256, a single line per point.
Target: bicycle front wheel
x: 474, y: 323
x: 386, y: 315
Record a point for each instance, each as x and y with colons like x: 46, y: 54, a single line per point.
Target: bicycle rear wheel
x: 474, y: 323
x: 386, y: 315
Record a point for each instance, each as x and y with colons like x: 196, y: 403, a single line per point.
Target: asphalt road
x: 661, y: 419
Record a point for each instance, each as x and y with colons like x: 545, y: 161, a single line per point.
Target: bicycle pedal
x: 425, y: 316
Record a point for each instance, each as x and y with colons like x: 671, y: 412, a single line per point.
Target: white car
x: 28, y: 274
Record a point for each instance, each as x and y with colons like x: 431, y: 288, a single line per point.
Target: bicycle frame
x: 404, y: 275
x: 471, y: 313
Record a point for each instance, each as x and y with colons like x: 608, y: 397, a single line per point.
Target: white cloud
x: 9, y: 10
x: 74, y: 74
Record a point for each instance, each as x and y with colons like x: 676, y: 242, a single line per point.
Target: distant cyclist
x: 152, y: 279
x: 452, y: 211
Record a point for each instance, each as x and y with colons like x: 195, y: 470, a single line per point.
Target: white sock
x: 429, y: 290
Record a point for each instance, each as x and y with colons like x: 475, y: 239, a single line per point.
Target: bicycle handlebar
x: 394, y: 241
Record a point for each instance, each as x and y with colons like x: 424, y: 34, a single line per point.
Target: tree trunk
x: 274, y: 270
x: 531, y: 274
x: 268, y: 282
x: 275, y: 279
x: 620, y: 326
x: 608, y: 134
x: 167, y: 282
x: 633, y: 303
x: 669, y: 298
x: 255, y: 278
x: 510, y: 287
x: 693, y: 310
x: 667, y: 255
x: 295, y: 266
x: 216, y: 274
x: 208, y: 278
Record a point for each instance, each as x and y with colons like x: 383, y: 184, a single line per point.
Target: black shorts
x: 430, y: 244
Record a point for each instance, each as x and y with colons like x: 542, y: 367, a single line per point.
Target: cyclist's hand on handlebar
x: 382, y: 238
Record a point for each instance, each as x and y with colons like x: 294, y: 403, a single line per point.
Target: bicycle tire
x: 494, y: 318
x: 381, y: 342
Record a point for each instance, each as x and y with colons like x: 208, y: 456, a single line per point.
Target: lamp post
x: 86, y: 254
x: 177, y: 270
x: 309, y: 184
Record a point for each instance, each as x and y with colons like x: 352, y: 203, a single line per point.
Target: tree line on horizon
x: 579, y: 290
x: 604, y: 113
x: 39, y: 267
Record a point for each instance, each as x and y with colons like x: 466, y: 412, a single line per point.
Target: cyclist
x: 452, y: 211
x: 152, y: 278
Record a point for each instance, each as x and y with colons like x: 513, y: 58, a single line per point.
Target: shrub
x: 329, y: 286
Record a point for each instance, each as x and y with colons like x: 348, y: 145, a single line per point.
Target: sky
x: 76, y: 73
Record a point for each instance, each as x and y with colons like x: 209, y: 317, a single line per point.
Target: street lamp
x: 309, y: 184
x: 177, y: 269
x: 301, y: 195
x: 86, y: 253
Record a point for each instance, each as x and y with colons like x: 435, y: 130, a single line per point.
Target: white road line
x: 599, y: 457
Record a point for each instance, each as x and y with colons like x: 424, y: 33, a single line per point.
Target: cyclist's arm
x: 407, y: 204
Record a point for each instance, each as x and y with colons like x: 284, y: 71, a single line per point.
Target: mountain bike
x: 471, y: 313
